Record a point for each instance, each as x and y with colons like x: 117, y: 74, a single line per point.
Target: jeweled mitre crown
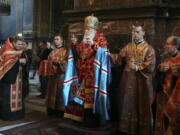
x: 91, y: 21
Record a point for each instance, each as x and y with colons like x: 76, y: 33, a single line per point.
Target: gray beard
x: 88, y: 36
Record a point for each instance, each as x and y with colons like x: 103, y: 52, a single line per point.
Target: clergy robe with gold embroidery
x: 55, y: 68
x: 11, y: 100
x: 84, y: 90
x: 166, y: 82
x: 136, y: 91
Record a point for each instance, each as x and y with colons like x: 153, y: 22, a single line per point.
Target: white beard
x: 89, y: 37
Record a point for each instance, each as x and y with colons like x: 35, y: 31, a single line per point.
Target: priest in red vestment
x: 81, y: 107
x: 167, y: 87
x: 135, y: 91
x: 11, y: 99
x: 54, y: 68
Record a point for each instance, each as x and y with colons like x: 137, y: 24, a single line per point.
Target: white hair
x: 88, y: 37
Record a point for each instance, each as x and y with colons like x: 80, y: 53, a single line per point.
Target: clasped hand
x: 164, y: 67
x: 175, y: 68
x: 55, y: 63
x: 133, y: 66
x: 22, y: 61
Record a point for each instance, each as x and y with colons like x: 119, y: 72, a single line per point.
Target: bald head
x: 172, y: 45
